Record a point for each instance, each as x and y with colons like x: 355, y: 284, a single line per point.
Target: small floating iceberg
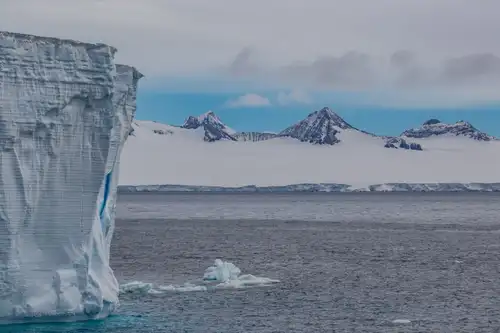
x: 221, y: 275
x: 228, y: 276
x: 221, y: 272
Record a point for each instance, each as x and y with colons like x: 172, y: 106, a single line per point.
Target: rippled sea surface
x: 346, y: 263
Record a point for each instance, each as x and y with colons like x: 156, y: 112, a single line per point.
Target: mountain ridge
x: 326, y: 127
x: 434, y: 127
x: 159, y: 154
x: 213, y: 127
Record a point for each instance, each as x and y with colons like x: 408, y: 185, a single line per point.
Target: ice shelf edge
x: 320, y: 187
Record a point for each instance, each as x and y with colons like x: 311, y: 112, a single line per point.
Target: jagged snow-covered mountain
x: 320, y: 127
x: 327, y: 127
x: 214, y: 128
x: 163, y: 154
x: 434, y: 127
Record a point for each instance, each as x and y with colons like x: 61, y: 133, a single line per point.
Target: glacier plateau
x: 180, y: 160
x: 65, y: 112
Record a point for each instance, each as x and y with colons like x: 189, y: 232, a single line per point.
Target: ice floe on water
x: 136, y: 287
x: 221, y: 275
x: 143, y: 288
x: 227, y: 275
x: 221, y: 272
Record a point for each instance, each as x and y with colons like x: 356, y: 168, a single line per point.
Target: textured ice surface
x: 221, y: 275
x: 65, y: 112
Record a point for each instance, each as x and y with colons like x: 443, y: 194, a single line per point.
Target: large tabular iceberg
x: 65, y: 112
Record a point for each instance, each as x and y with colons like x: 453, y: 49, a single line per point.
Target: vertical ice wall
x: 124, y: 100
x: 65, y: 112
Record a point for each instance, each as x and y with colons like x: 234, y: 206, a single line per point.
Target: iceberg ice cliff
x: 65, y: 112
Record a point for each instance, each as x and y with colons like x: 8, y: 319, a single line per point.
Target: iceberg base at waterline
x: 65, y: 113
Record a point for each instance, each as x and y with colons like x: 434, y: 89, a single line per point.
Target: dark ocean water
x: 346, y: 263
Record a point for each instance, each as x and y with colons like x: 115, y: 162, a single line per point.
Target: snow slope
x: 358, y: 159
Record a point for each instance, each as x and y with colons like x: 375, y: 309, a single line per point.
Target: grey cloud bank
x: 321, y: 43
x: 473, y: 77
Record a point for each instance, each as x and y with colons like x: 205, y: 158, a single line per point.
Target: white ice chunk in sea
x: 221, y: 275
x: 227, y: 275
x: 221, y: 272
x: 65, y: 113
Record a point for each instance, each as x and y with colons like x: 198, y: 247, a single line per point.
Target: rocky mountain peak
x: 319, y: 127
x: 331, y: 116
x: 434, y: 127
x: 191, y: 123
x: 214, y: 128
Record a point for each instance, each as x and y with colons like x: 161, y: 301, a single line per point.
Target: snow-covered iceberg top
x: 65, y: 113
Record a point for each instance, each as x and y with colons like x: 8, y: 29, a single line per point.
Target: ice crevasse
x: 65, y: 112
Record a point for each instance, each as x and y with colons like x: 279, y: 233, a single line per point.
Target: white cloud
x: 178, y: 36
x: 248, y: 100
x: 191, y: 39
x: 293, y: 97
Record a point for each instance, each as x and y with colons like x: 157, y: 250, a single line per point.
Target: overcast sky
x: 413, y: 45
